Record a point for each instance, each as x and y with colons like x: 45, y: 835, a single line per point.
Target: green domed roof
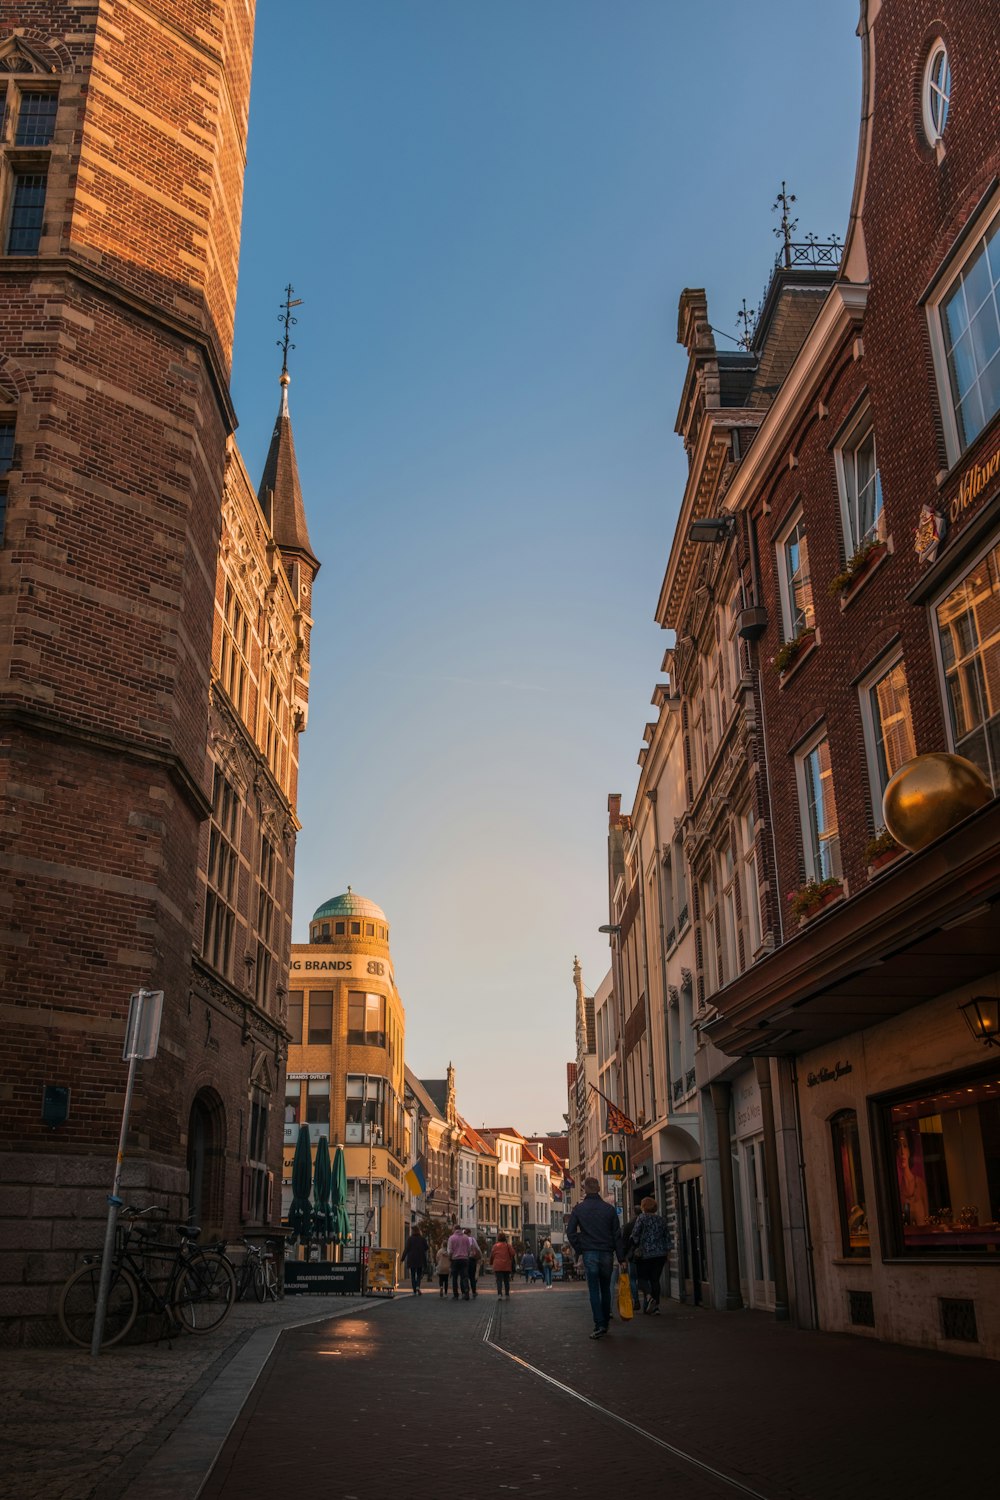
x: 349, y: 905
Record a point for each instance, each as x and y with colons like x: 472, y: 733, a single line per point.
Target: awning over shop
x: 930, y: 924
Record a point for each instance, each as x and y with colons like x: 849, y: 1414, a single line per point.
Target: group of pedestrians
x: 458, y: 1264
x: 641, y: 1248
x: 594, y: 1233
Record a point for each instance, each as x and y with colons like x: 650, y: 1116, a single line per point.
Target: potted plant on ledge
x: 787, y: 655
x: 814, y: 897
x: 881, y: 851
x: 863, y: 560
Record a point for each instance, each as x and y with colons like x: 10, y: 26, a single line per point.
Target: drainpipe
x: 722, y: 1093
x: 772, y: 1190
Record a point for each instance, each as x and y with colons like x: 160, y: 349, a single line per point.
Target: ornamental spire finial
x: 285, y: 317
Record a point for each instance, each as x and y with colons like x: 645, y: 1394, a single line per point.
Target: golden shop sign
x: 614, y: 1164
x: 973, y: 482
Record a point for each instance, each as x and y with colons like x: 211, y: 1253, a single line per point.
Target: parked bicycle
x: 256, y: 1272
x: 194, y: 1286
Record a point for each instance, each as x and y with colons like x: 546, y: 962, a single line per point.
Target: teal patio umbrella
x: 341, y: 1230
x: 300, y: 1210
x: 322, y: 1218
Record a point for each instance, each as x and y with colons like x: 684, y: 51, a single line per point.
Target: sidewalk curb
x: 181, y: 1465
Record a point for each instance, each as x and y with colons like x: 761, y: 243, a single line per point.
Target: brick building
x: 153, y: 636
x: 873, y: 494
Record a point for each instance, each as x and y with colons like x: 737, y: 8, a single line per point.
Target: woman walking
x: 651, y: 1239
x: 548, y: 1262
x: 442, y: 1266
x: 502, y: 1263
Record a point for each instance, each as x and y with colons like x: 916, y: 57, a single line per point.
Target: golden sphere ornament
x: 929, y: 795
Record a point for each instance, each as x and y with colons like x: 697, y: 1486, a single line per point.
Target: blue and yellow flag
x: 415, y: 1179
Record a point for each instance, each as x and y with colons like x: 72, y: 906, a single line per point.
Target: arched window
x: 936, y: 92
x: 851, y: 1201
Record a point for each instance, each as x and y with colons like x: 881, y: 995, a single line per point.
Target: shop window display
x: 855, y: 1240
x: 944, y: 1177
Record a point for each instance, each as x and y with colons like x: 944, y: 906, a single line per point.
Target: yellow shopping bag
x: 624, y: 1297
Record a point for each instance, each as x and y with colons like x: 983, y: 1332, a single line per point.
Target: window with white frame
x: 936, y: 94
x: 820, y: 839
x: 860, y: 485
x: 965, y: 329
x: 968, y: 631
x: 794, y: 581
x: 885, y: 714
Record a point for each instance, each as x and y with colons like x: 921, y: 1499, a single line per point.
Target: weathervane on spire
x: 748, y: 322
x: 284, y: 344
x: 788, y: 226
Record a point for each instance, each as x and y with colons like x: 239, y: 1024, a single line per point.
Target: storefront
x: 756, y: 1270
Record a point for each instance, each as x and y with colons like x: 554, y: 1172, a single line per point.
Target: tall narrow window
x: 234, y: 669
x: 751, y: 880
x: 885, y: 708
x: 27, y: 213
x: 970, y: 334
x: 318, y: 1105
x: 267, y: 920
x: 851, y: 1201
x: 223, y: 864
x: 320, y: 1018
x: 861, y: 486
x: 796, y: 584
x: 6, y: 459
x: 821, y: 843
x: 295, y: 999
x: 937, y: 92
x: 968, y: 625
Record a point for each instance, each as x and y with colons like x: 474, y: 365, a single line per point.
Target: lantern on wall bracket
x: 982, y: 1016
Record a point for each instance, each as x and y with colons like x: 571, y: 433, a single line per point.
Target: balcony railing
x: 810, y: 252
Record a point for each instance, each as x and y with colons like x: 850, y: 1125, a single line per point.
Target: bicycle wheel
x: 270, y: 1280
x: 259, y: 1279
x: 78, y: 1305
x: 204, y: 1292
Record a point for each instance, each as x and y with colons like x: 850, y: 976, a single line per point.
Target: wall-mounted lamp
x: 982, y: 1016
x: 712, y: 529
x: 611, y: 928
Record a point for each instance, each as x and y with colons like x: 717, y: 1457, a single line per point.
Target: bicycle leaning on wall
x: 194, y: 1287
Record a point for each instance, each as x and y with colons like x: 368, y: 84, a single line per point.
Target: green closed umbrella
x: 322, y: 1218
x: 341, y: 1231
x: 300, y: 1211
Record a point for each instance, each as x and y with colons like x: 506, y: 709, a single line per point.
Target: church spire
x: 280, y: 493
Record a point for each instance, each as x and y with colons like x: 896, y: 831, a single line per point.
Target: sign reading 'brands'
x: 372, y: 966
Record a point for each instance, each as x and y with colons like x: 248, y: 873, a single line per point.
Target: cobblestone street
x: 365, y: 1400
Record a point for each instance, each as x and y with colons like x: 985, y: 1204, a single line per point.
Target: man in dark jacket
x: 415, y: 1259
x: 594, y: 1232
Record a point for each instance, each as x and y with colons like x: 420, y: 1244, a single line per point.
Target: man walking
x: 459, y: 1250
x: 415, y: 1259
x: 475, y: 1257
x: 595, y: 1234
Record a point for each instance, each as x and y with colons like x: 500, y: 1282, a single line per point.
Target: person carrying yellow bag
x: 624, y: 1297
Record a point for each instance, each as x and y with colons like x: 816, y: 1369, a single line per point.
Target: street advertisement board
x: 382, y: 1270
x: 321, y: 1278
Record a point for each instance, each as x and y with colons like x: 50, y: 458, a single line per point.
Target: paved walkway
x: 370, y: 1400
x: 482, y: 1401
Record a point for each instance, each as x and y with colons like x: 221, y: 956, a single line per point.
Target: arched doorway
x: 206, y: 1161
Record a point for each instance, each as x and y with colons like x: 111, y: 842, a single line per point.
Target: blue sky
x: 490, y: 209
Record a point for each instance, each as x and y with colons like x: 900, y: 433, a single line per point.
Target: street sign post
x: 142, y: 1037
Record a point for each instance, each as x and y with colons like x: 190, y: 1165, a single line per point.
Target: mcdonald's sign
x: 614, y: 1164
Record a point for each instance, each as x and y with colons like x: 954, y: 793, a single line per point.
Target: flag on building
x: 618, y: 1120
x: 415, y: 1179
x: 568, y: 1181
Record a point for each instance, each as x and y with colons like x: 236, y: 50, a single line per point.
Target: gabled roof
x: 438, y: 1090
x: 280, y: 493
x: 474, y: 1139
x: 421, y: 1095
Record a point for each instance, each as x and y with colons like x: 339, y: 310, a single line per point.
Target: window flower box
x: 857, y: 569
x: 785, y: 658
x: 882, y: 850
x: 813, y: 897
